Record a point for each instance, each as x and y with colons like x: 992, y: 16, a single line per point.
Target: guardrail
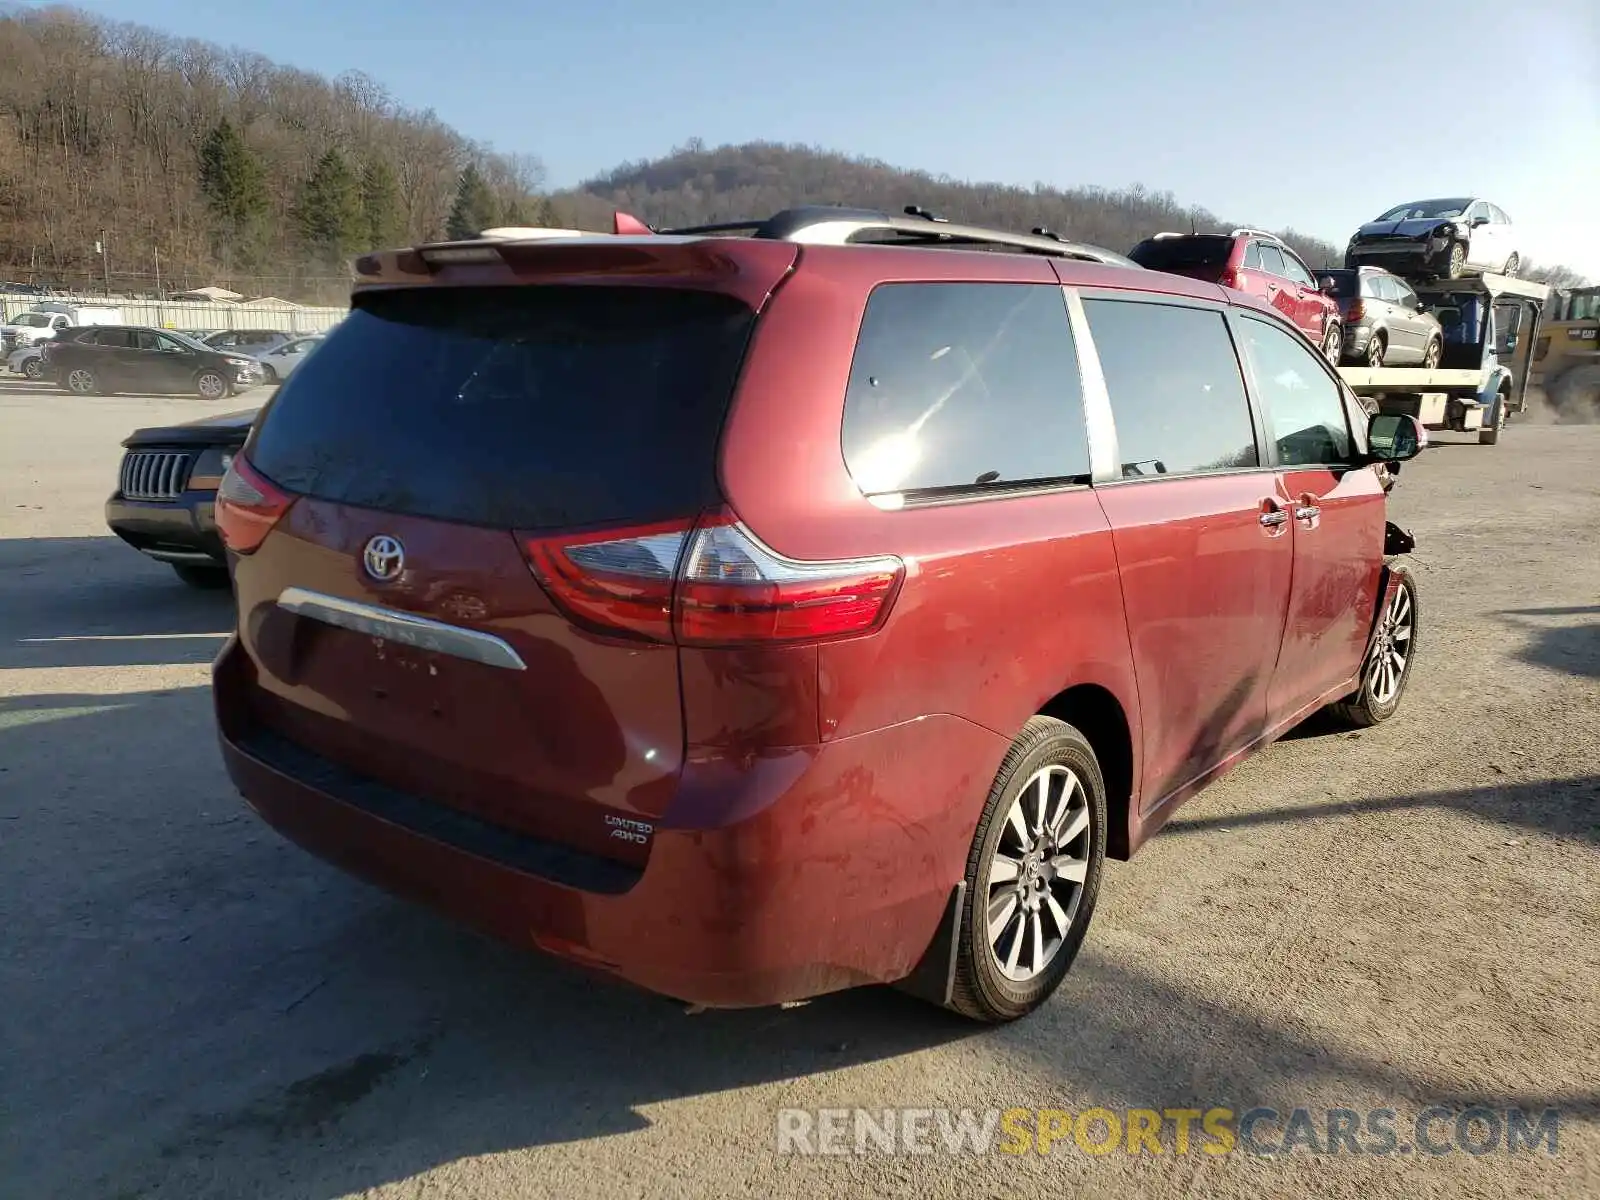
x: 192, y: 314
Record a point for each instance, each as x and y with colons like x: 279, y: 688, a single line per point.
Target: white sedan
x: 278, y: 364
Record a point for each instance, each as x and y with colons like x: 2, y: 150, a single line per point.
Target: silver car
x: 279, y: 363
x: 1384, y: 321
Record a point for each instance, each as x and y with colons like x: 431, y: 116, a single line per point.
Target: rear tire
x: 81, y: 381
x: 1033, y: 874
x: 1432, y: 354
x: 1457, y: 265
x: 210, y: 385
x: 204, y: 578
x: 1377, y: 697
x: 1513, y: 265
x: 1377, y: 347
x: 1332, y: 343
x: 33, y: 369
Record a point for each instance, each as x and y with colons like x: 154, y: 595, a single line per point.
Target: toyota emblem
x: 384, y: 558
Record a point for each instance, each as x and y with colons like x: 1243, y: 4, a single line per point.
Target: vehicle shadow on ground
x: 1568, y: 808
x: 201, y: 1008
x: 95, y: 602
x: 1573, y: 649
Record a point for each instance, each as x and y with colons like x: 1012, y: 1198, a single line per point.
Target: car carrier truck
x: 1490, y: 324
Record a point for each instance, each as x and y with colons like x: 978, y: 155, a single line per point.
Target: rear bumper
x: 174, y: 531
x: 801, y: 872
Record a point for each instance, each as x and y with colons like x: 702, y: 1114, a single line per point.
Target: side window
x: 168, y: 346
x: 1296, y: 270
x: 1177, y: 394
x: 1252, y: 256
x: 1370, y: 287
x: 1403, y: 295
x: 1499, y: 214
x: 1478, y: 209
x: 117, y: 339
x: 1271, y: 259
x: 1304, y: 407
x: 964, y: 385
x: 143, y: 339
x: 1383, y: 287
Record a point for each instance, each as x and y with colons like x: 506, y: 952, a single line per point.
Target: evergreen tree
x: 475, y: 208
x: 234, y: 183
x: 329, y: 216
x: 384, y: 225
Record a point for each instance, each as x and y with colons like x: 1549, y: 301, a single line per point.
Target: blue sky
x: 1275, y: 112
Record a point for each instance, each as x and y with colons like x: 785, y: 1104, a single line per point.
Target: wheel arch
x: 1095, y: 712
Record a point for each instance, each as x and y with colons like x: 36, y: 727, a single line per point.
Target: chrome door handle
x: 1306, y: 512
x: 1274, y: 518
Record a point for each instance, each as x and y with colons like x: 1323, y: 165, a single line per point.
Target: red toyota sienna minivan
x: 756, y: 611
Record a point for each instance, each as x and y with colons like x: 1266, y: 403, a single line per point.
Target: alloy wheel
x: 1375, y: 350
x: 1391, y: 649
x: 1432, y: 355
x: 1331, y: 342
x: 80, y: 381
x: 1036, y: 877
x: 211, y: 386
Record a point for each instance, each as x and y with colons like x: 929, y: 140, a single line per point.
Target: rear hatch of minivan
x: 404, y: 494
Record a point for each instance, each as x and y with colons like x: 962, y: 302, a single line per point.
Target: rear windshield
x: 1344, y: 282
x: 1183, y: 253
x: 519, y: 407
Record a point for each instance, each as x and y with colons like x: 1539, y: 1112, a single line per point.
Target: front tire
x: 1457, y: 265
x: 1433, y: 354
x: 1387, y: 666
x: 202, y: 577
x: 81, y: 381
x: 33, y: 369
x: 1033, y: 874
x: 1490, y: 435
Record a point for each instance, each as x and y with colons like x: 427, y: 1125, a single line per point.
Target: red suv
x: 1257, y: 263
x: 759, y: 611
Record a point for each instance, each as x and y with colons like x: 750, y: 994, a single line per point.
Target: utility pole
x: 105, y: 262
x: 160, y: 295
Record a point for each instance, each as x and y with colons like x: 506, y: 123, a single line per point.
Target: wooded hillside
x: 218, y: 166
x: 695, y: 184
x: 198, y: 165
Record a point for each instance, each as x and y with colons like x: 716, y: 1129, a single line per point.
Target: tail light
x: 709, y: 583
x: 248, y: 506
x: 1356, y: 312
x: 1229, y: 278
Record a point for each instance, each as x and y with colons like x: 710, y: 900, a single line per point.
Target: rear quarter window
x: 957, y: 387
x: 516, y: 407
x: 1183, y: 253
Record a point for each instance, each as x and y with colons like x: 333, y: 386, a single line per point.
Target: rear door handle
x: 1276, y: 517
x: 1306, y: 512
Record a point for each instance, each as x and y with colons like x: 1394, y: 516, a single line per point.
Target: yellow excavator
x: 1566, y: 361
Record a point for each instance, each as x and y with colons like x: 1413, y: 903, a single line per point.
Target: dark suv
x: 1257, y: 263
x: 755, y: 616
x: 136, y: 358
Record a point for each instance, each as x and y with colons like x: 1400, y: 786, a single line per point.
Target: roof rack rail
x: 1247, y: 231
x: 828, y: 225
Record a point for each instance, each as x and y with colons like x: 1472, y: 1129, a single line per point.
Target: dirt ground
x: 1393, y: 920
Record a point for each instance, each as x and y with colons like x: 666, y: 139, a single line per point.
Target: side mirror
x: 1395, y: 437
x: 1476, y: 221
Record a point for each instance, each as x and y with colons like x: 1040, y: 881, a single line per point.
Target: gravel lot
x: 193, y: 1007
